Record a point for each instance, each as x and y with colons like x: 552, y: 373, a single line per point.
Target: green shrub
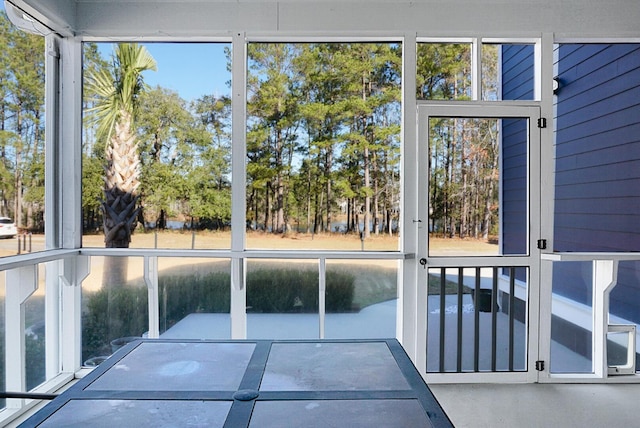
x: 122, y: 311
x: 293, y: 290
x: 180, y: 296
x: 111, y: 313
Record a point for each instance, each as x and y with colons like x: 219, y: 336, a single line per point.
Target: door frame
x: 530, y: 111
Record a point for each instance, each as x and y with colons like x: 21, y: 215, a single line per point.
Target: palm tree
x: 115, y: 92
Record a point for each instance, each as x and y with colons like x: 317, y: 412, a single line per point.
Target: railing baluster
x: 459, y: 344
x: 476, y: 323
x: 494, y: 319
x: 443, y: 283
x: 512, y: 281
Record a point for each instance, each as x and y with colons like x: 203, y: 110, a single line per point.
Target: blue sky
x: 190, y: 69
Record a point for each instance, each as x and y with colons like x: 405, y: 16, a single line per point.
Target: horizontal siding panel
x: 610, y: 173
x: 625, y: 206
x: 573, y: 55
x: 609, y: 156
x: 629, y: 133
x: 628, y: 99
x: 590, y: 58
x: 595, y: 241
x: 621, y: 131
x: 616, y: 223
x: 599, y: 189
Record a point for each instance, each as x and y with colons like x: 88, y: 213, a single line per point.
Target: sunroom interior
x: 461, y: 176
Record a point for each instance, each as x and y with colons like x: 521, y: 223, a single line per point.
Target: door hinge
x: 539, y: 365
x: 542, y: 244
x: 542, y: 122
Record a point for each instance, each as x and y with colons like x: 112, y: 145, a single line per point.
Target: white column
x: 74, y: 271
x: 70, y: 154
x: 151, y: 280
x: 407, y: 279
x: 238, y: 180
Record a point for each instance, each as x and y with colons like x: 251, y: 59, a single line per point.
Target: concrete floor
x: 540, y: 405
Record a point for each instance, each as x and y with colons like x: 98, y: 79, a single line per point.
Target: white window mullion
x: 476, y: 69
x: 238, y: 185
x: 408, y: 281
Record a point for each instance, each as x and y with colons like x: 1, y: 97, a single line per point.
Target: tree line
x: 322, y: 149
x: 21, y: 126
x: 323, y: 141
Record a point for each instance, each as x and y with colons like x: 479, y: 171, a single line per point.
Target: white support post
x: 52, y: 143
x: 545, y: 314
x: 605, y: 275
x: 322, y: 287
x: 238, y: 178
x: 70, y: 137
x: 21, y: 283
x: 52, y: 318
x: 74, y: 271
x: 151, y: 280
x: 238, y: 300
x: 407, y: 280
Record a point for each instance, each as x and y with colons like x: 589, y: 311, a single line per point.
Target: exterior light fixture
x: 24, y: 21
x: 556, y: 85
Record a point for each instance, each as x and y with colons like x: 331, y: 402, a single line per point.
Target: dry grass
x: 255, y: 240
x: 261, y: 240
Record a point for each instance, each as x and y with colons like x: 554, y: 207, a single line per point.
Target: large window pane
x: 194, y: 297
x: 508, y: 72
x: 3, y: 402
x: 165, y: 153
x: 572, y: 318
x: 361, y: 299
x: 478, y: 186
x: 323, y: 145
x: 34, y: 321
x: 624, y: 309
x: 282, y: 299
x: 22, y: 140
x: 444, y: 71
x: 114, y: 306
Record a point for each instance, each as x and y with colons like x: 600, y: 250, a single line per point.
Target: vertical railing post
x: 322, y: 287
x: 512, y: 302
x: 151, y: 280
x: 476, y: 323
x: 74, y: 271
x: 459, y: 329
x: 443, y: 295
x: 238, y: 299
x: 494, y: 319
x: 605, y: 274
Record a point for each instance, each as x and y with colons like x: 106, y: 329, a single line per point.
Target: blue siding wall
x: 517, y: 63
x: 597, y: 189
x: 517, y: 84
x: 597, y: 192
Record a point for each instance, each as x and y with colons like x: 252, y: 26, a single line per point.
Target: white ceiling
x: 438, y: 18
